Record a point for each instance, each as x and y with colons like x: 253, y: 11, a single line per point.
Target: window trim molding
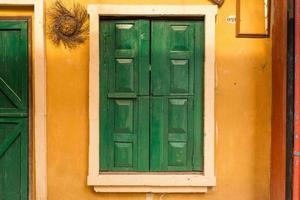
x: 145, y: 181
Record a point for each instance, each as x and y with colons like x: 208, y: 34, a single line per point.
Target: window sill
x: 154, y: 182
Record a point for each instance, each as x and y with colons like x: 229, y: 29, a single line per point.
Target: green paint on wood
x: 124, y: 109
x: 13, y: 110
x: 151, y: 120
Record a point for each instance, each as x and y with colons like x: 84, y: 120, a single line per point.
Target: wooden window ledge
x: 152, y: 182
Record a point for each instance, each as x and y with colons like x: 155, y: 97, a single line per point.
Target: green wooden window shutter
x: 124, y: 95
x: 156, y: 126
x: 13, y: 110
x: 177, y: 88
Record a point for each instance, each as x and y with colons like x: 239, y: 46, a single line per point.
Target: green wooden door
x: 13, y: 110
x: 151, y: 95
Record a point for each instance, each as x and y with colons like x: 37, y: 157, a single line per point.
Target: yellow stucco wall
x: 243, y: 116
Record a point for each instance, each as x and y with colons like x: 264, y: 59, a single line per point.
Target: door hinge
x: 150, y: 68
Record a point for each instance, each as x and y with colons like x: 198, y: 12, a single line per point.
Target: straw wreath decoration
x: 67, y: 26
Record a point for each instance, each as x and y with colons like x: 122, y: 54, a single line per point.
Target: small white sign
x: 231, y: 19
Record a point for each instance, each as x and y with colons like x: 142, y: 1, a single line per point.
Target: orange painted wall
x: 243, y: 116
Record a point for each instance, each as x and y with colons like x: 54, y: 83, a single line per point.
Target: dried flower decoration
x: 67, y: 26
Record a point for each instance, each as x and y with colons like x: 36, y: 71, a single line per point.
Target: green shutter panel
x: 164, y: 131
x: 124, y: 95
x: 171, y: 134
x: 177, y: 88
x: 172, y: 58
x: 13, y: 110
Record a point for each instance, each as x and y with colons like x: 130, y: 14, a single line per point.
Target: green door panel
x: 13, y: 110
x: 151, y: 117
x: 13, y: 68
x: 13, y: 158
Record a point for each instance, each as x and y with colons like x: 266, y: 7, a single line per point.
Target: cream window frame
x: 166, y: 182
x: 39, y: 95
